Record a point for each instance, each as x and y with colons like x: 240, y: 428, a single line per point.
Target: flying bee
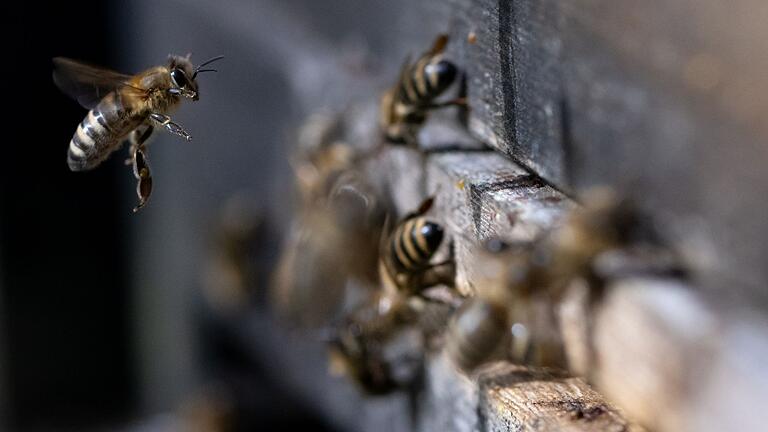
x: 405, y: 106
x: 332, y: 244
x: 405, y: 254
x: 125, y: 107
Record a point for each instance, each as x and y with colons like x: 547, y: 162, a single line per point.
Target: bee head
x: 183, y: 75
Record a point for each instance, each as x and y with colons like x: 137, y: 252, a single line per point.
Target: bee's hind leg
x: 136, y: 139
x: 174, y: 128
x: 143, y: 176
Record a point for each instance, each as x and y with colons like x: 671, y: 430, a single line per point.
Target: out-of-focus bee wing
x: 87, y: 84
x: 439, y: 45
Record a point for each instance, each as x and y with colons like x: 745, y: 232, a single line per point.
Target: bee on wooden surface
x: 605, y: 239
x: 376, y: 345
x: 405, y: 106
x: 125, y: 107
x: 405, y: 254
x: 381, y: 344
x: 480, y: 331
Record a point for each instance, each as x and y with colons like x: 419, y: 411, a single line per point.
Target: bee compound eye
x: 179, y: 78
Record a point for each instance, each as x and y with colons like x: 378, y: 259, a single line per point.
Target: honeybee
x: 480, y: 331
x: 405, y: 106
x: 405, y: 254
x: 380, y: 345
x: 334, y: 237
x: 604, y: 240
x: 368, y: 344
x: 125, y: 107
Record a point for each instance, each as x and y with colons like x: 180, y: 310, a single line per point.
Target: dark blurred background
x: 104, y: 325
x: 65, y: 240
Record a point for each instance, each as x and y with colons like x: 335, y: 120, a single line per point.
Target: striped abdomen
x: 425, y: 80
x: 100, y: 133
x: 412, y: 245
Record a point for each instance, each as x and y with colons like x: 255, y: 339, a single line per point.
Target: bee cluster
x: 384, y: 289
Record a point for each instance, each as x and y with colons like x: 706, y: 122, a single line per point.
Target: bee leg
x: 143, y: 175
x: 137, y: 138
x: 174, y: 128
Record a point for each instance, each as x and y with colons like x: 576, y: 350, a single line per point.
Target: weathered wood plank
x: 522, y: 399
x: 483, y: 195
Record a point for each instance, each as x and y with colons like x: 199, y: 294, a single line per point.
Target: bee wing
x: 87, y: 84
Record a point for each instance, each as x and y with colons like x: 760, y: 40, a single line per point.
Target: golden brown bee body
x: 404, y: 261
x: 123, y: 107
x: 405, y: 106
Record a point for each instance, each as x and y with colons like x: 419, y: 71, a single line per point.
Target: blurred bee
x: 381, y: 344
x: 230, y: 274
x: 480, y: 330
x: 321, y: 156
x: 603, y: 240
x: 405, y: 254
x: 329, y: 244
x: 369, y: 344
x: 333, y: 239
x: 125, y: 107
x: 405, y: 106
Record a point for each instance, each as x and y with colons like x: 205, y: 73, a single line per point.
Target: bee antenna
x: 202, y: 70
x: 207, y: 62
